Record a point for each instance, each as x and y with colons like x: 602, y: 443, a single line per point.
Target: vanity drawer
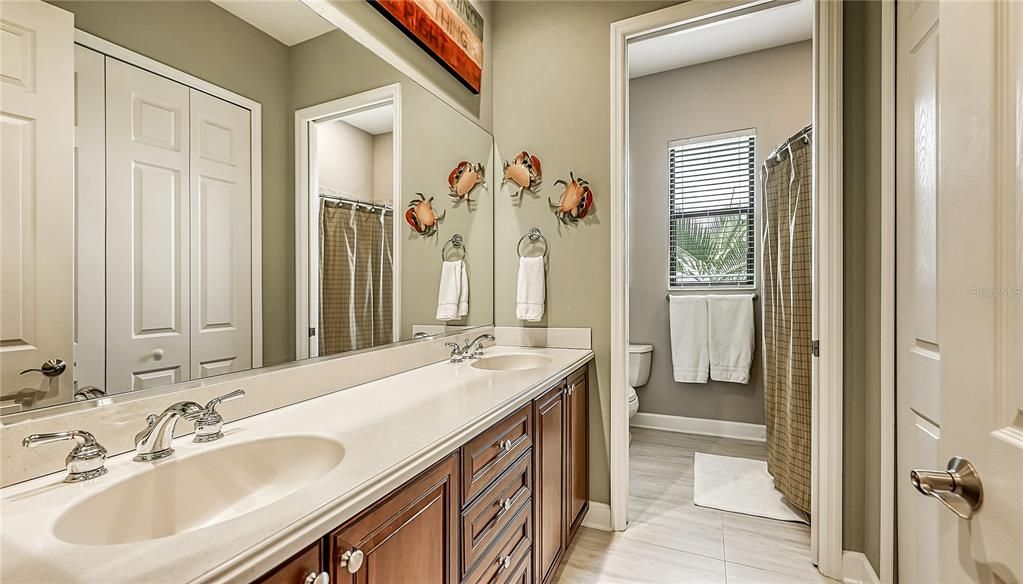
x: 487, y: 456
x: 494, y: 510
x: 501, y: 562
x: 297, y: 569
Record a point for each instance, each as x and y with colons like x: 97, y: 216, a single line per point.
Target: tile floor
x: 672, y: 540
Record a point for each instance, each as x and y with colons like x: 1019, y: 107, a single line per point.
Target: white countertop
x: 391, y: 430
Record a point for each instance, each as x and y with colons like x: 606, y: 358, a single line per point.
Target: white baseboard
x: 856, y: 569
x: 598, y: 517
x: 703, y: 426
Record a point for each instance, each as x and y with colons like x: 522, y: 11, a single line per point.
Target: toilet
x: 639, y: 373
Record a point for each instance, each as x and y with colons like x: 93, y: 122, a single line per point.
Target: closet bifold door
x: 147, y: 146
x: 220, y: 203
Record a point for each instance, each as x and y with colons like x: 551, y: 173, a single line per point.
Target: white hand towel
x: 463, y: 292
x: 730, y: 336
x: 453, y: 296
x: 532, y: 292
x: 687, y: 317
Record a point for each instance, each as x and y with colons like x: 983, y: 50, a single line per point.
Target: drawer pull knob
x: 506, y: 445
x: 314, y: 578
x: 505, y: 505
x: 352, y: 560
x: 505, y: 563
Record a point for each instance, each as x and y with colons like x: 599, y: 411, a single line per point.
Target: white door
x: 36, y: 202
x: 221, y: 256
x: 147, y: 142
x: 959, y: 277
x: 90, y: 219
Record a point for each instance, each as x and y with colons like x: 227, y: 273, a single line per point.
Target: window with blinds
x: 711, y: 200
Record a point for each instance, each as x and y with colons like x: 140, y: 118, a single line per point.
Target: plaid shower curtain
x: 355, y: 278
x: 787, y: 244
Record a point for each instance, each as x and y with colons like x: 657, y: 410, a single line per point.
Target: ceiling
x: 376, y: 121
x: 288, y: 21
x: 764, y: 29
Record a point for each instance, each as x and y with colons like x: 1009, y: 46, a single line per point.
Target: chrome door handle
x: 314, y: 578
x: 51, y: 368
x: 958, y: 487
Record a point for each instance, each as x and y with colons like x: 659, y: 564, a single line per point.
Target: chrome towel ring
x: 533, y: 235
x: 456, y: 242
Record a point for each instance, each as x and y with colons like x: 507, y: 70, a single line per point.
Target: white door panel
x: 36, y: 202
x: 959, y: 333
x: 90, y: 219
x: 148, y: 208
x: 221, y: 258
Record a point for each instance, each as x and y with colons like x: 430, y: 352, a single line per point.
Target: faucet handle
x: 456, y: 352
x: 85, y: 461
x: 209, y: 425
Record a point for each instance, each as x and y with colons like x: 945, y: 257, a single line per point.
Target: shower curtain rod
x: 356, y: 202
x: 728, y: 293
x: 800, y: 135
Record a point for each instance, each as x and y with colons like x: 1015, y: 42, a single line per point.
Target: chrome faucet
x: 457, y: 355
x: 474, y: 348
x: 86, y: 461
x: 154, y: 442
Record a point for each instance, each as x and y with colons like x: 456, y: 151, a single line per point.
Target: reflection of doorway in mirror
x: 348, y: 178
x: 356, y: 221
x: 166, y: 258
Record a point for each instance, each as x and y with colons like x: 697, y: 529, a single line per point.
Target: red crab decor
x: 464, y: 178
x: 420, y: 215
x: 524, y: 172
x: 575, y: 202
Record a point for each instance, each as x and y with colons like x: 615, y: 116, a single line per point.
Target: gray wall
x: 862, y: 270
x: 770, y: 91
x: 551, y: 97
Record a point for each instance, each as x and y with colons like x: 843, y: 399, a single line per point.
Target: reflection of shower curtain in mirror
x: 787, y: 244
x: 355, y: 278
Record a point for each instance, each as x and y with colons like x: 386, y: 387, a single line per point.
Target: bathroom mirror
x: 246, y: 194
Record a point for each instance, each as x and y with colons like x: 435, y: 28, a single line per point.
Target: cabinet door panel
x: 409, y: 537
x: 550, y: 481
x: 297, y: 569
x: 578, y: 485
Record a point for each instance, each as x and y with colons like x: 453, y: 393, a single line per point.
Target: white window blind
x: 711, y: 198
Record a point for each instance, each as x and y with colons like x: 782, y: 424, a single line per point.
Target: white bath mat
x: 740, y: 485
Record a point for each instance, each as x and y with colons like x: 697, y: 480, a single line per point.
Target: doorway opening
x: 348, y: 264
x: 717, y: 160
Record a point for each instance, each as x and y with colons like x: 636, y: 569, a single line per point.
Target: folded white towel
x: 730, y: 335
x: 687, y: 317
x: 453, y: 295
x: 532, y: 292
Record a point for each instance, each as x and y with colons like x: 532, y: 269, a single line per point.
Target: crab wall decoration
x: 420, y: 215
x: 575, y: 202
x: 464, y: 178
x: 524, y: 172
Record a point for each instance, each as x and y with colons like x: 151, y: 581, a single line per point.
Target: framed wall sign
x: 451, y: 31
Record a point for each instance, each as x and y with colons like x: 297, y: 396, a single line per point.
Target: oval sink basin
x: 512, y: 362
x: 185, y: 494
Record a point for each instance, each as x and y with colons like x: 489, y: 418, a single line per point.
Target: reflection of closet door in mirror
x: 36, y: 208
x: 221, y: 262
x: 147, y: 142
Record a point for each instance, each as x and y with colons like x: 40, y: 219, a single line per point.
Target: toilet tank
x: 639, y: 364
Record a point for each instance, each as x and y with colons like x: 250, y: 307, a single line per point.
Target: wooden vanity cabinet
x: 502, y: 509
x: 412, y: 536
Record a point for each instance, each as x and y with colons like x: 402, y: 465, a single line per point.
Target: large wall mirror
x: 251, y: 187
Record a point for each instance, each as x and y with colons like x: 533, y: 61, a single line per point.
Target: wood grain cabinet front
x: 577, y: 479
x: 488, y: 455
x: 488, y: 516
x: 412, y: 536
x: 304, y: 568
x: 550, y: 481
